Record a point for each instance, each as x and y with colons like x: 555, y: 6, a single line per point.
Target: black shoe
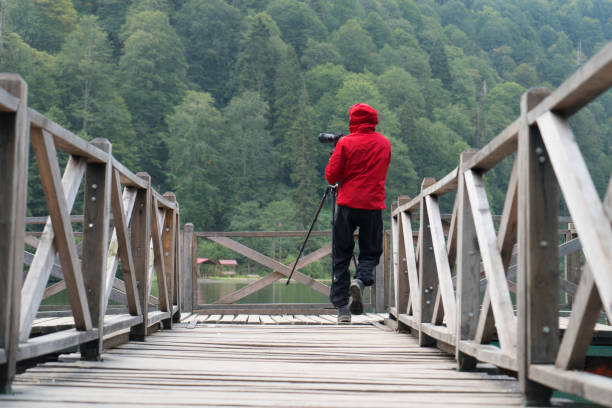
x: 344, y: 315
x: 356, y: 292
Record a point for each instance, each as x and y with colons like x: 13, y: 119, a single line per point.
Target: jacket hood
x: 362, y: 117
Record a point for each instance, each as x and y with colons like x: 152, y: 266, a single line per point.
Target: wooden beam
x: 140, y: 240
x: 468, y: 269
x: 44, y: 258
x: 537, y: 283
x: 409, y: 263
x: 168, y: 243
x: 506, y: 237
x: 188, y: 279
x: 158, y: 251
x: 492, y: 262
x: 123, y: 249
x: 95, y: 243
x: 13, y: 190
x: 59, y: 211
x: 270, y: 263
x: 588, y: 82
x: 582, y: 200
x: 65, y: 140
x: 445, y: 282
x: 428, y: 277
x: 272, y: 277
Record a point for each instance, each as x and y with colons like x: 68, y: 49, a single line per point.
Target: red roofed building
x: 228, y: 266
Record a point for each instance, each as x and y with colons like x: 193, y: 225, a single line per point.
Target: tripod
x: 333, y: 189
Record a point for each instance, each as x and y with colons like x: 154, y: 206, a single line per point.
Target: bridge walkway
x: 263, y: 365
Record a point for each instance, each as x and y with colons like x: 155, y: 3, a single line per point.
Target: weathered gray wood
x: 9, y: 102
x: 39, y: 346
x: 65, y: 140
x: 168, y: 243
x: 593, y: 387
x: 588, y: 82
x: 409, y: 263
x: 140, y: 240
x: 579, y: 333
x: 535, y: 226
x: 270, y: 263
x: 188, y: 280
x: 445, y: 283
x: 44, y: 258
x: 428, y: 279
x: 272, y: 277
x: 468, y: 268
x: 506, y: 237
x: 262, y: 234
x: 582, y: 200
x: 124, y: 249
x: 572, y: 263
x: 496, y: 150
x: 14, y: 145
x: 378, y: 290
x: 46, y: 158
x: 446, y: 184
x: 488, y: 354
x: 95, y: 243
x: 492, y: 262
x: 158, y: 251
x: 127, y: 178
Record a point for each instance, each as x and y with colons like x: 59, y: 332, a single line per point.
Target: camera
x: 330, y: 137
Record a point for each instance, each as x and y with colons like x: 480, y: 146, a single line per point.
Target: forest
x: 221, y: 101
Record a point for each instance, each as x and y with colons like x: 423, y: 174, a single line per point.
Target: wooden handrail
x: 144, y: 242
x: 546, y: 156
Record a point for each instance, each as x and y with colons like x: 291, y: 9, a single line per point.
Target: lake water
x: 210, y: 290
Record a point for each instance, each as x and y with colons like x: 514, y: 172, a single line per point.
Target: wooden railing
x: 278, y: 270
x: 447, y: 310
x: 144, y: 239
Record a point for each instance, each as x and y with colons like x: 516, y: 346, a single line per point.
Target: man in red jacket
x: 359, y: 164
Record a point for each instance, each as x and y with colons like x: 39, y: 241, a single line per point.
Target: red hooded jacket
x: 360, y: 161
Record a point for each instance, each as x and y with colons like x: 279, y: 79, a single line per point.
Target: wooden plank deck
x: 263, y: 365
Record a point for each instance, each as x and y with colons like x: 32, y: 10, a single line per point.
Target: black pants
x: 370, y: 248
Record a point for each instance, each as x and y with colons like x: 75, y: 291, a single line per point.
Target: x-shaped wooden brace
x: 280, y: 270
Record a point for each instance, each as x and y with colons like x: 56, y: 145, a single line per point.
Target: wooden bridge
x: 468, y: 309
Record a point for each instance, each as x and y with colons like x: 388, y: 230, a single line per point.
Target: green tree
x: 355, y: 46
x: 195, y: 135
x: 259, y: 53
x: 43, y: 24
x: 439, y: 64
x: 211, y: 43
x: 317, y: 53
x: 247, y: 152
x: 152, y: 71
x: 297, y: 23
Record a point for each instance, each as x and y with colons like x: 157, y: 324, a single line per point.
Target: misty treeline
x: 221, y: 100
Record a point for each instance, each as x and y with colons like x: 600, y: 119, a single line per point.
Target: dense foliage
x: 221, y: 100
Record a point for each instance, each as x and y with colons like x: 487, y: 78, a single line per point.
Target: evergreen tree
x: 439, y: 65
x: 152, y: 71
x: 211, y: 43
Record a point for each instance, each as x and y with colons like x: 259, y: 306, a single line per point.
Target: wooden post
x: 538, y: 274
x: 387, y: 269
x: 95, y: 243
x: 178, y: 248
x: 168, y: 254
x: 572, y: 263
x: 399, y: 262
x: 428, y: 282
x: 140, y: 241
x: 14, y: 143
x: 187, y: 278
x: 379, y: 287
x: 468, y: 270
